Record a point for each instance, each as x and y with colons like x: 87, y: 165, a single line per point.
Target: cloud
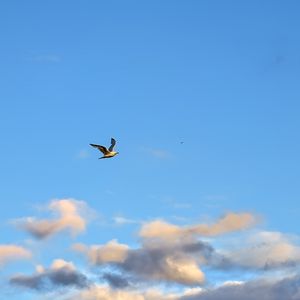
x: 229, y: 223
x: 170, y: 262
x: 122, y: 221
x: 160, y: 229
x: 13, y: 252
x: 116, y: 280
x: 101, y: 292
x: 176, y: 204
x: 168, y: 252
x: 112, y: 252
x: 82, y: 154
x: 287, y: 289
x: 163, y: 264
x: 69, y: 216
x: 266, y: 250
x: 60, y: 274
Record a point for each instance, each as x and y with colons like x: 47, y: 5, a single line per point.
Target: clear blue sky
x: 201, y: 96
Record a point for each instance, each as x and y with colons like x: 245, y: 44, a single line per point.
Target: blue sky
x: 202, y: 98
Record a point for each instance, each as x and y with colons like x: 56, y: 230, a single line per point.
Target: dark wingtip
x: 94, y: 145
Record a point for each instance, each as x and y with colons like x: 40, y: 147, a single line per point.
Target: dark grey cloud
x: 35, y: 282
x: 52, y: 278
x: 145, y: 262
x: 156, y: 259
x: 161, y: 262
x: 116, y: 281
x: 285, y: 289
x: 40, y: 229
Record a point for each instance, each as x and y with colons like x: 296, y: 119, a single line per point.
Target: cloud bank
x: 179, y: 258
x: 287, y: 289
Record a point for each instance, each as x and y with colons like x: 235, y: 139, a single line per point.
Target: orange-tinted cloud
x: 69, y: 216
x: 13, y: 252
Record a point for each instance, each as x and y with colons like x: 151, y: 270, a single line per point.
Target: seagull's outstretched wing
x: 100, y: 148
x: 113, y: 142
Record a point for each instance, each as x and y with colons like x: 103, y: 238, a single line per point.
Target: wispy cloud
x: 82, y: 154
x: 177, y: 204
x: 157, y: 152
x: 228, y: 223
x: 47, y: 58
x: 287, y: 289
x: 119, y: 220
x: 69, y: 216
x: 102, y: 292
x: 266, y: 250
x: 13, y: 252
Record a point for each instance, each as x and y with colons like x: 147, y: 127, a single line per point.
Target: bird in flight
x: 107, y: 153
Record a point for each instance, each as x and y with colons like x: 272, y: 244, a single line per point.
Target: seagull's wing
x: 113, y: 142
x: 100, y: 148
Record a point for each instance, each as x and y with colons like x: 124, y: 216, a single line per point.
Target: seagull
x: 106, y: 153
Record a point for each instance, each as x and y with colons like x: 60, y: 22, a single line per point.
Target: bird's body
x: 107, y: 153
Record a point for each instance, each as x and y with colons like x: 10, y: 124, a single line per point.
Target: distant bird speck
x: 107, y: 153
